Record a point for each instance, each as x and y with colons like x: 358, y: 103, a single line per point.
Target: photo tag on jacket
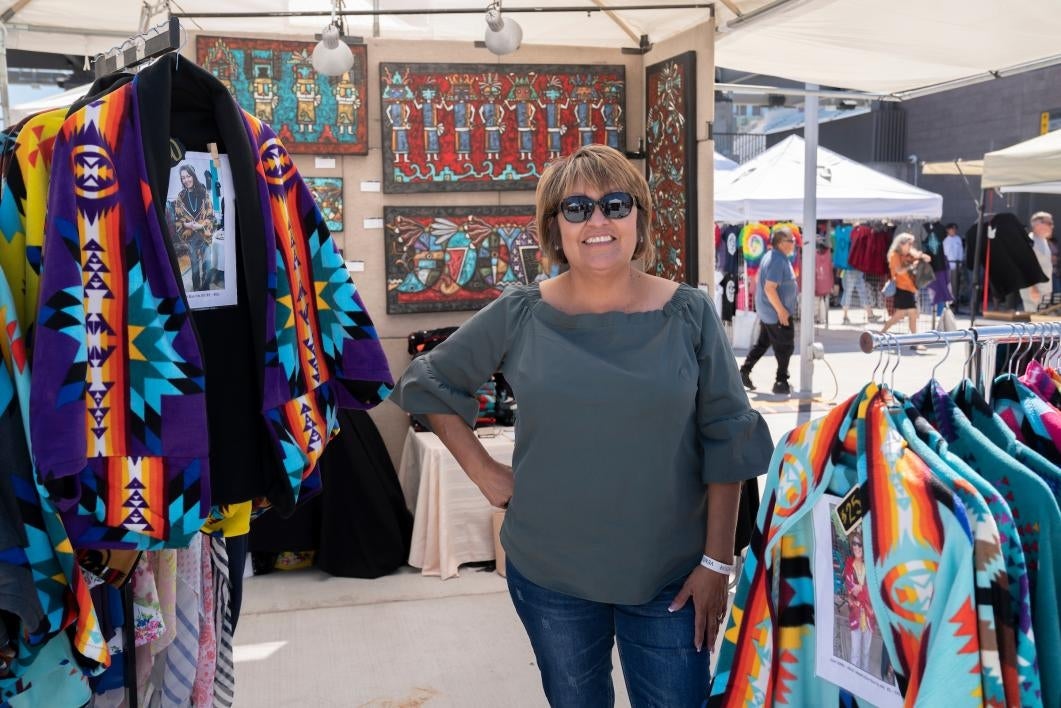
x: 200, y: 221
x: 849, y: 648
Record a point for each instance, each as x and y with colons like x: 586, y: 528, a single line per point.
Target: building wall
x: 367, y: 245
x: 967, y: 122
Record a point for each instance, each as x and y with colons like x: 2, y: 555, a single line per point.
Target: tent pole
x: 974, y: 291
x: 5, y: 96
x: 810, y: 231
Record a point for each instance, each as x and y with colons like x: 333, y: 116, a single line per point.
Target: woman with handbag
x: 633, y: 436
x: 903, y: 259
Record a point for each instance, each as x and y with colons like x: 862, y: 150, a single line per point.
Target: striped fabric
x: 225, y: 671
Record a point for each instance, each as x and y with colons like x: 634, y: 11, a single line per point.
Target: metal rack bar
x: 996, y: 334
x: 136, y: 50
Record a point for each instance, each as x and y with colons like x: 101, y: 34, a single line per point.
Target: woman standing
x: 861, y: 619
x: 632, y: 439
x: 194, y: 217
x: 902, y: 258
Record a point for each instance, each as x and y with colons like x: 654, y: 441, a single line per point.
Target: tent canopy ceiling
x: 891, y: 47
x: 82, y: 27
x: 1022, y: 166
x: 771, y: 187
x: 914, y: 44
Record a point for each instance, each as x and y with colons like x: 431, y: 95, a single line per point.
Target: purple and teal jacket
x: 118, y: 400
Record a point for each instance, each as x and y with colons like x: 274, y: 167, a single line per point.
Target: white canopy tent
x: 83, y: 27
x: 1031, y: 166
x: 902, y: 48
x: 58, y: 100
x: 723, y: 163
x: 771, y: 187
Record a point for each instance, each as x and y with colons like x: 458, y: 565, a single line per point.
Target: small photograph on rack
x: 850, y: 649
x: 200, y: 217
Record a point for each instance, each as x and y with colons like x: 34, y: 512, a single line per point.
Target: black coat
x: 1013, y: 264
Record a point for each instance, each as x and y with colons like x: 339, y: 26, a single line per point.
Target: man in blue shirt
x: 775, y: 300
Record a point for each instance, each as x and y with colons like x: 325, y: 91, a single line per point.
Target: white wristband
x: 712, y: 564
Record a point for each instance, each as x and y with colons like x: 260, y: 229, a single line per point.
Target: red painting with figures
x: 488, y: 127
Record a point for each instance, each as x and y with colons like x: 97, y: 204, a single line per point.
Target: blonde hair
x: 596, y: 166
x: 898, y: 241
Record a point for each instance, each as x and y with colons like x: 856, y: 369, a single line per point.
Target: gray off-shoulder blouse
x: 621, y: 421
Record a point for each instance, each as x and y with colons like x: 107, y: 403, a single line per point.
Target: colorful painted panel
x: 476, y: 127
x: 276, y: 81
x: 671, y: 136
x: 457, y: 258
x: 328, y: 193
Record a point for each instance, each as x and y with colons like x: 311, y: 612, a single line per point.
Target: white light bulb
x: 331, y: 56
x: 503, y: 36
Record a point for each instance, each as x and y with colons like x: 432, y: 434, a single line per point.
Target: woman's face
x: 856, y: 550
x: 187, y: 180
x: 904, y: 247
x: 598, y: 244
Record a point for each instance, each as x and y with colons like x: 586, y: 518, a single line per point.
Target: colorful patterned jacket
x: 919, y: 570
x: 118, y: 400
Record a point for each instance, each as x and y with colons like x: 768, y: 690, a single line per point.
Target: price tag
x: 851, y: 509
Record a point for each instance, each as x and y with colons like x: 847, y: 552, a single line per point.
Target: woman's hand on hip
x: 710, y: 593
x: 496, y: 482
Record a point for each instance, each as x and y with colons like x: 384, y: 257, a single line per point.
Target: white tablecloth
x: 452, y: 519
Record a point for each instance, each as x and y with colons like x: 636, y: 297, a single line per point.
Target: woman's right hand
x: 496, y: 482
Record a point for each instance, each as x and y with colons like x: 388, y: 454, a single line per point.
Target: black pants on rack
x: 782, y: 339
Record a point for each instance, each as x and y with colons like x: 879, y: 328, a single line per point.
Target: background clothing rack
x: 140, y: 48
x: 983, y: 341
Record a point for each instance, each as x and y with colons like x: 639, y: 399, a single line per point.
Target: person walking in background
x: 775, y: 301
x: 1042, y: 232
x: 633, y: 438
x: 954, y: 252
x: 902, y: 257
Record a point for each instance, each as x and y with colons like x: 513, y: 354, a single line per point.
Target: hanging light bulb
x: 332, y: 56
x: 503, y: 36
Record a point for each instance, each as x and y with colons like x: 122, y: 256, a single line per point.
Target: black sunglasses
x: 614, y: 205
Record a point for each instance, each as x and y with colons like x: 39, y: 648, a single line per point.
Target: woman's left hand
x: 709, y: 592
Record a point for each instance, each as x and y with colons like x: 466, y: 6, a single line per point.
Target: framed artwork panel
x: 670, y: 127
x: 328, y: 193
x: 488, y: 127
x: 275, y: 80
x: 442, y: 259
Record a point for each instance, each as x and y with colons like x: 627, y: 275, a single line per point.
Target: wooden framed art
x: 670, y: 126
x: 457, y: 258
x: 275, y: 80
x: 487, y: 127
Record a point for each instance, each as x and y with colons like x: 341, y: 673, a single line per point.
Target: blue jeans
x: 572, y: 640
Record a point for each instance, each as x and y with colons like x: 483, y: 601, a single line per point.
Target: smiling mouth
x: 597, y: 240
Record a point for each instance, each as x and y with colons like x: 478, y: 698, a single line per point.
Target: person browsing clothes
x: 633, y: 436
x: 775, y: 301
x: 1042, y: 232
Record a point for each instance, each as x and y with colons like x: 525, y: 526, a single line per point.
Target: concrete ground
x: 306, y: 638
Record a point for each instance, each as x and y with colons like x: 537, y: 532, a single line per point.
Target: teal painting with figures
x: 275, y: 80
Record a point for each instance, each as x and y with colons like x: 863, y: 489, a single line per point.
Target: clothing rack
x: 983, y: 341
x: 140, y: 48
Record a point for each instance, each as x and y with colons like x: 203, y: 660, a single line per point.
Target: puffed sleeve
x: 445, y: 379
x: 736, y: 440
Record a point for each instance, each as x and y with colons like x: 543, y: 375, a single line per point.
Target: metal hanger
x: 946, y: 354
x: 898, y: 358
